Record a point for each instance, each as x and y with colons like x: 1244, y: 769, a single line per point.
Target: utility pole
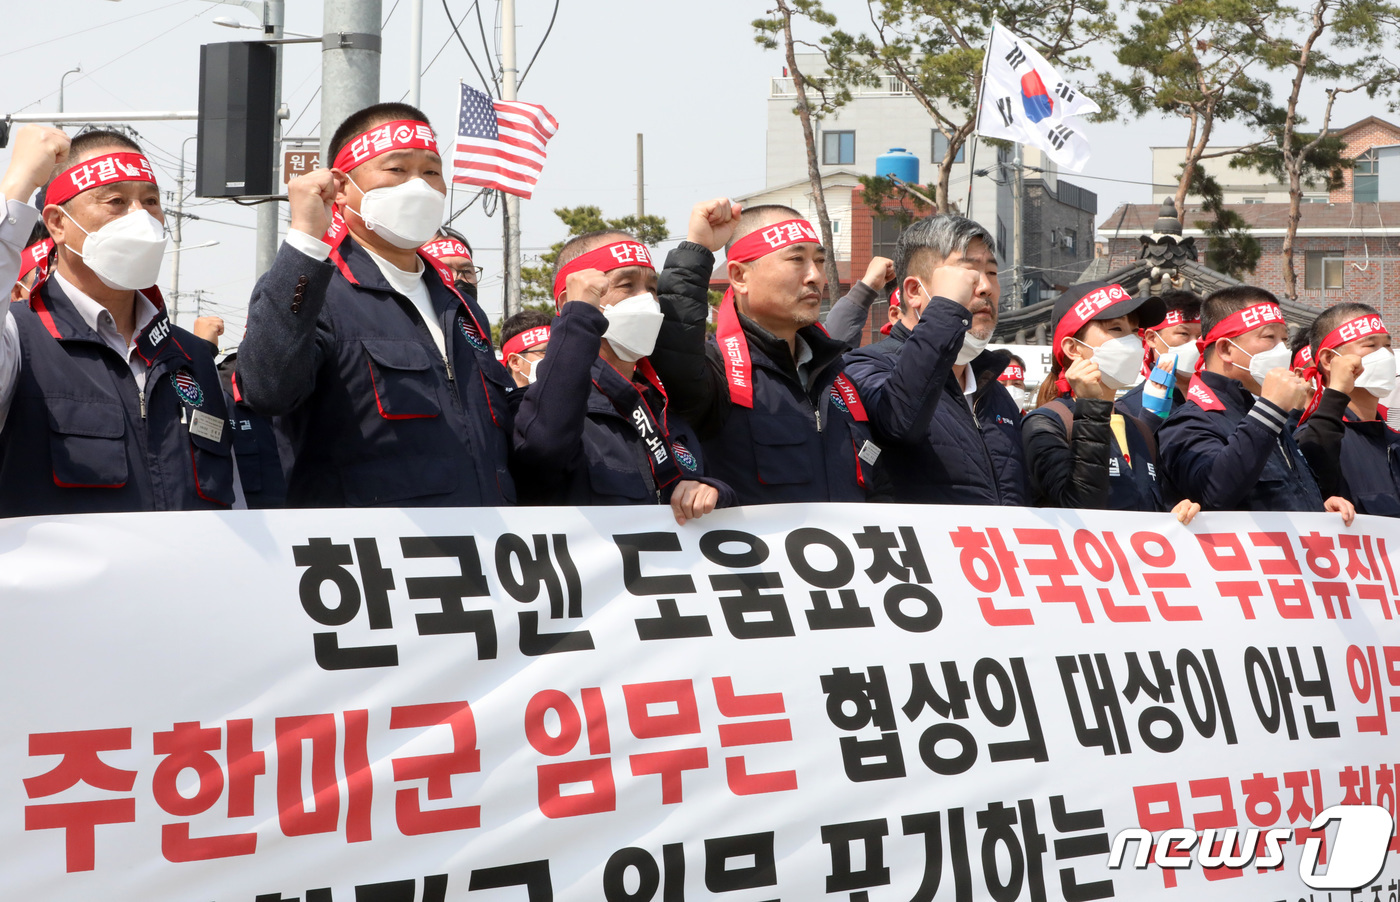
x: 179, y: 236
x: 350, y: 48
x: 512, y: 302
x: 641, y: 195
x: 267, y: 213
x: 415, y: 54
x: 1018, y: 269
x: 60, y: 85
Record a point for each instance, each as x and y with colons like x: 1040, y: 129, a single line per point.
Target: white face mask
x: 125, y: 253
x: 534, y: 371
x: 633, y: 325
x: 1261, y: 364
x: 1186, y: 354
x: 1119, y: 360
x: 1378, y: 375
x: 407, y: 216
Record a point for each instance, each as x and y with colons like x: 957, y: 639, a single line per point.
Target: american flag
x: 501, y: 143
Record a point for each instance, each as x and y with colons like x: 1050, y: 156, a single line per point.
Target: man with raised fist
x: 768, y: 396
x: 382, y: 371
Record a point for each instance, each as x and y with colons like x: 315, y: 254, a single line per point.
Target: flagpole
x: 977, y: 125
x: 512, y: 302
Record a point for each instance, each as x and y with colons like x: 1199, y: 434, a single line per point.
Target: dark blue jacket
x: 374, y: 414
x: 1131, y: 404
x: 1087, y: 468
x: 936, y: 451
x: 1241, y: 457
x: 1358, y: 460
x: 572, y: 444
x: 799, y: 442
x: 81, y: 438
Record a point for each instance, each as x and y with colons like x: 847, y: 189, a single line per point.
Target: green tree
x: 1196, y: 60
x: 1230, y: 248
x: 1348, y: 45
x: 934, y: 50
x: 769, y: 34
x: 537, y: 282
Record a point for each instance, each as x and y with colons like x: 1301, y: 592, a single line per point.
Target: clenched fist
x: 310, y: 198
x: 956, y: 283
x: 879, y: 273
x: 587, y: 285
x: 1286, y: 389
x: 713, y: 222
x: 39, y: 150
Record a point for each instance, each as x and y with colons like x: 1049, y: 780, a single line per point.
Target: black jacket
x: 799, y: 442
x: 1087, y: 469
x: 572, y: 443
x: 375, y: 414
x: 80, y: 436
x: 1228, y: 450
x: 936, y: 450
x: 1358, y: 460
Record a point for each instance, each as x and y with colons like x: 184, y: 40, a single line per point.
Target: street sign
x: 298, y: 162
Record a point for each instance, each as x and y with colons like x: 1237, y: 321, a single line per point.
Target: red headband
x: 1012, y: 373
x: 1174, y: 318
x: 36, y: 256
x: 888, y: 327
x: 772, y: 239
x: 1236, y: 324
x: 1370, y: 324
x: 446, y: 247
x: 1303, y: 359
x: 604, y: 259
x: 402, y: 134
x: 104, y: 170
x: 525, y: 341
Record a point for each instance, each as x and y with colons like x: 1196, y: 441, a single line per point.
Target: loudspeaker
x: 236, y: 117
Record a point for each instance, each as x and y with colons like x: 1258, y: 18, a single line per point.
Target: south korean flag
x: 1025, y: 100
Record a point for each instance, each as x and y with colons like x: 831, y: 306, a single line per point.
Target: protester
x: 383, y: 373
x: 595, y: 427
x: 1174, y: 340
x: 105, y: 405
x: 950, y: 431
x: 1343, y: 433
x: 524, y: 341
x: 1080, y: 450
x: 1014, y: 378
x: 847, y: 318
x: 36, y: 259
x: 778, y: 419
x: 453, y: 251
x: 1227, y: 446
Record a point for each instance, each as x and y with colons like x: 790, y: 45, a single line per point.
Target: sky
x: 687, y: 76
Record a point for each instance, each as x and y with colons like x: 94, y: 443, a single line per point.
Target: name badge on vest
x: 870, y: 452
x: 206, y: 425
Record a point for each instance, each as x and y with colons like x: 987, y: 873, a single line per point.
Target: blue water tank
x: 899, y: 163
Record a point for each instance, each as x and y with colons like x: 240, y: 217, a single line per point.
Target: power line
x: 86, y: 30
x: 541, y: 47
x: 476, y: 4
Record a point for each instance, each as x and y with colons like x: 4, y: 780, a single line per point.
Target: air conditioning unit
x: 1067, y: 242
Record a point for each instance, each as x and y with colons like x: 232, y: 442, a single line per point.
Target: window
x: 1253, y: 200
x: 886, y: 236
x: 1323, y: 269
x: 1001, y: 237
x: 838, y: 148
x: 1316, y: 199
x: 940, y: 148
x: 1365, y: 185
x: 1069, y: 240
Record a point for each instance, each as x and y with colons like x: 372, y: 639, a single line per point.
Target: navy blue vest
x: 1371, y: 465
x: 81, y: 438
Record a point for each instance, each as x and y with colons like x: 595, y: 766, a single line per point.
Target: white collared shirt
x: 101, y: 321
x: 969, y: 387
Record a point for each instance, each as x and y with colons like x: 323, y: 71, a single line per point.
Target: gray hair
x: 940, y: 237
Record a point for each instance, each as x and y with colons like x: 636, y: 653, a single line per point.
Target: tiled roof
x: 1131, y: 220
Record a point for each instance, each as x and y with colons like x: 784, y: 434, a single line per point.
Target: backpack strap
x: 1146, y: 431
x: 1067, y: 417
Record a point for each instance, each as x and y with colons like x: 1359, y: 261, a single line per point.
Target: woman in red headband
x: 1081, y: 452
x: 1343, y: 434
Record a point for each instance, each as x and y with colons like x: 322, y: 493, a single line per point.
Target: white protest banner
x: 861, y: 703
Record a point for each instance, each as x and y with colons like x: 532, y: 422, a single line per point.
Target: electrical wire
x: 541, y: 47
x: 476, y: 4
x: 92, y: 28
x: 439, y: 53
x: 481, y: 27
x: 314, y: 94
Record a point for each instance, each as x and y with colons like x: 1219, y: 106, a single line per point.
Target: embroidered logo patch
x: 839, y: 401
x: 187, y: 388
x: 684, y: 457
x: 473, y: 337
x: 1005, y: 421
